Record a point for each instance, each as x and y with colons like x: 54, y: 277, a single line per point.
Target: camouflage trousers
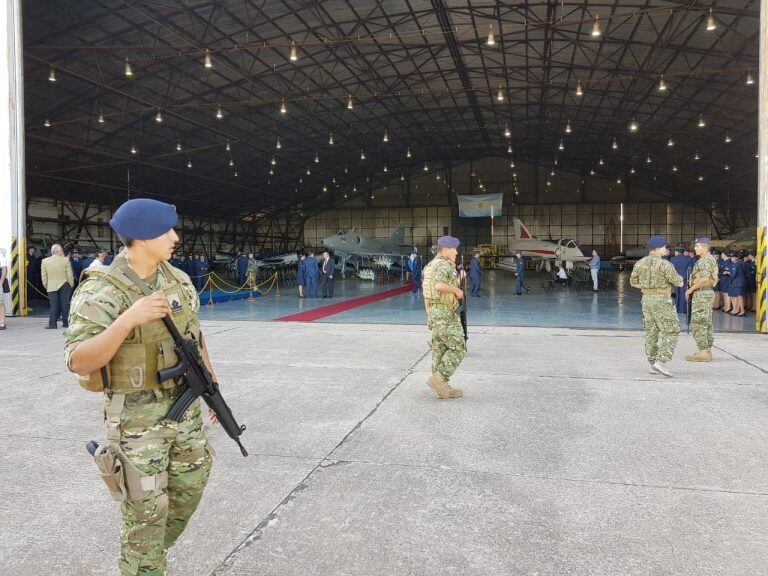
x: 153, y: 444
x: 662, y: 328
x: 701, y: 318
x: 448, y: 344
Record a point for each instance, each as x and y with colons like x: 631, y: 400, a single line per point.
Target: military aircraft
x: 545, y: 251
x: 354, y: 248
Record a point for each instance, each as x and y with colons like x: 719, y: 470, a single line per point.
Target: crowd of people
x: 197, y: 267
x: 311, y: 273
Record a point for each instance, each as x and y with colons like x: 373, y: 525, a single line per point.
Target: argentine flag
x: 480, y: 206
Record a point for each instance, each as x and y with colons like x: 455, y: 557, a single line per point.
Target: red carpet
x: 330, y: 310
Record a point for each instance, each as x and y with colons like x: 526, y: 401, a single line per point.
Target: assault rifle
x: 198, y: 379
x: 463, y: 302
x: 688, y: 307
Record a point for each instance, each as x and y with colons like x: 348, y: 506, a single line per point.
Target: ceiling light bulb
x: 648, y: 159
x: 701, y: 178
x: 385, y: 168
x: 279, y: 144
x: 128, y: 69
x: 330, y: 139
x: 561, y: 146
x: 294, y: 52
x: 189, y: 163
x: 618, y: 180
x: 317, y: 158
x: 512, y: 164
x: 426, y: 168
x: 52, y: 75
x: 507, y: 131
x: 236, y: 174
x: 568, y: 127
x: 159, y: 117
x: 207, y: 62
x: 408, y: 152
x: 133, y: 149
x: 491, y: 41
x: 726, y: 167
x: 47, y: 123
x: 674, y: 168
x: 228, y: 146
x: 349, y: 103
x: 662, y: 84
x: 509, y: 150
x: 552, y: 173
x: 750, y: 79
x: 271, y: 172
x: 500, y: 94
x: 362, y: 155
x: 696, y: 156
x: 308, y: 171
x: 273, y: 161
x: 402, y: 178
x: 592, y: 172
x: 178, y: 146
x: 549, y: 183
x: 728, y: 138
x: 283, y: 109
x: 596, y: 27
x: 386, y: 136
x: 632, y: 170
x: 579, y: 90
x: 231, y: 162
x: 615, y: 144
x: 711, y: 25
x: 101, y: 117
x: 701, y: 124
x: 670, y: 142
x: 633, y: 125
x: 601, y: 162
x: 219, y: 113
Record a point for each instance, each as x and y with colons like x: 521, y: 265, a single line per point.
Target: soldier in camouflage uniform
x: 701, y: 293
x: 656, y: 278
x: 441, y: 297
x: 116, y: 342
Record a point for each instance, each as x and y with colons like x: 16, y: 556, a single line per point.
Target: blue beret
x: 703, y: 240
x: 448, y: 242
x: 144, y: 219
x: 656, y: 242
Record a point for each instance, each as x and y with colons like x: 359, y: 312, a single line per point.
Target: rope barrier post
x: 210, y: 293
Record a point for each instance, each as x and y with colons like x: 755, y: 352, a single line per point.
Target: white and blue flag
x: 480, y: 205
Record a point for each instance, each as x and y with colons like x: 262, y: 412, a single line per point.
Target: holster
x: 123, y: 480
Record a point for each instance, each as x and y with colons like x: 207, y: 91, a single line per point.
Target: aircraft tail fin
x: 521, y: 232
x: 398, y: 236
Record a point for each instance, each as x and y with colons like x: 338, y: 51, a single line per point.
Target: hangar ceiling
x: 640, y: 91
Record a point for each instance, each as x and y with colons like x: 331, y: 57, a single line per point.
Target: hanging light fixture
x: 726, y: 167
x: 749, y: 81
x: 728, y: 138
x: 273, y: 161
x: 317, y: 158
x: 615, y: 145
x: 512, y: 164
x: 631, y: 169
x: 101, y: 117
x: 601, y: 162
x: 219, y: 113
x: 159, y: 116
x: 294, y: 52
x: 237, y: 174
x: 701, y: 177
x: 178, y: 146
x: 561, y: 146
x: 500, y: 94
x: 633, y: 125
x: 207, y: 61
x: 362, y: 154
x: 385, y: 168
x: 549, y: 183
x: 278, y: 144
x: 402, y: 178
x: 47, y: 123
x: 128, y: 69
x: 674, y: 168
x: 701, y: 124
x: 349, y: 103
x: 507, y: 131
x: 330, y: 139
x: 509, y: 149
x: 271, y: 172
x: 552, y: 173
x: 568, y: 127
x: 189, y: 163
x: 345, y: 168
x: 308, y: 171
x: 618, y: 180
x: 579, y: 90
x: 596, y: 27
x: 426, y: 168
x: 670, y: 142
x: 648, y: 159
x: 283, y: 109
x: 386, y: 136
x: 662, y: 84
x: 711, y: 25
x: 592, y: 172
x: 696, y: 156
x: 231, y: 161
x: 408, y: 152
x: 490, y: 41
x: 134, y: 150
x: 52, y: 75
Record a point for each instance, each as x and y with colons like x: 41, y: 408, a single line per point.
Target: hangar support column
x: 761, y: 318
x: 13, y: 223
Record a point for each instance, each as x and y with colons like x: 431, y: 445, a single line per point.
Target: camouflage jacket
x: 705, y: 267
x: 439, y: 270
x: 652, y: 272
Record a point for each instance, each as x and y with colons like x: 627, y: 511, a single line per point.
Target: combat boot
x: 439, y: 385
x: 661, y: 368
x: 455, y: 392
x: 700, y: 356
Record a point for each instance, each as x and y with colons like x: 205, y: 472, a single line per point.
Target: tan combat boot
x: 700, y: 356
x: 439, y: 385
x: 455, y: 392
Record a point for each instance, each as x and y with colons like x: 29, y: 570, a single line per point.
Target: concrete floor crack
x: 326, y: 462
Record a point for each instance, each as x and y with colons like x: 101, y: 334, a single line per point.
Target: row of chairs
x: 581, y: 279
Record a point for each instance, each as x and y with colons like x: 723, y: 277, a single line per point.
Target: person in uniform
x: 301, y: 279
x: 737, y: 287
x: 701, y: 294
x: 681, y: 262
x: 77, y: 266
x: 241, y: 265
x: 751, y: 281
x: 203, y: 270
x: 475, y: 274
x: 111, y: 342
x: 416, y: 271
x: 724, y: 280
x: 441, y: 298
x: 656, y: 277
x: 310, y: 275
x: 520, y: 273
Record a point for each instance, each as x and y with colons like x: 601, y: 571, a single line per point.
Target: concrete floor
x: 564, y: 457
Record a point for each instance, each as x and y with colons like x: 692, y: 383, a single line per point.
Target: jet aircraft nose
x: 329, y: 242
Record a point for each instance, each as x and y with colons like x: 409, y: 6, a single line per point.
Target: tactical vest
x: 149, y: 347
x: 432, y: 296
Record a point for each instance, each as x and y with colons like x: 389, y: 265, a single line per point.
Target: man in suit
x: 475, y: 274
x: 521, y: 276
x: 310, y: 275
x: 242, y: 268
x: 58, y: 279
x: 326, y: 276
x: 681, y: 262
